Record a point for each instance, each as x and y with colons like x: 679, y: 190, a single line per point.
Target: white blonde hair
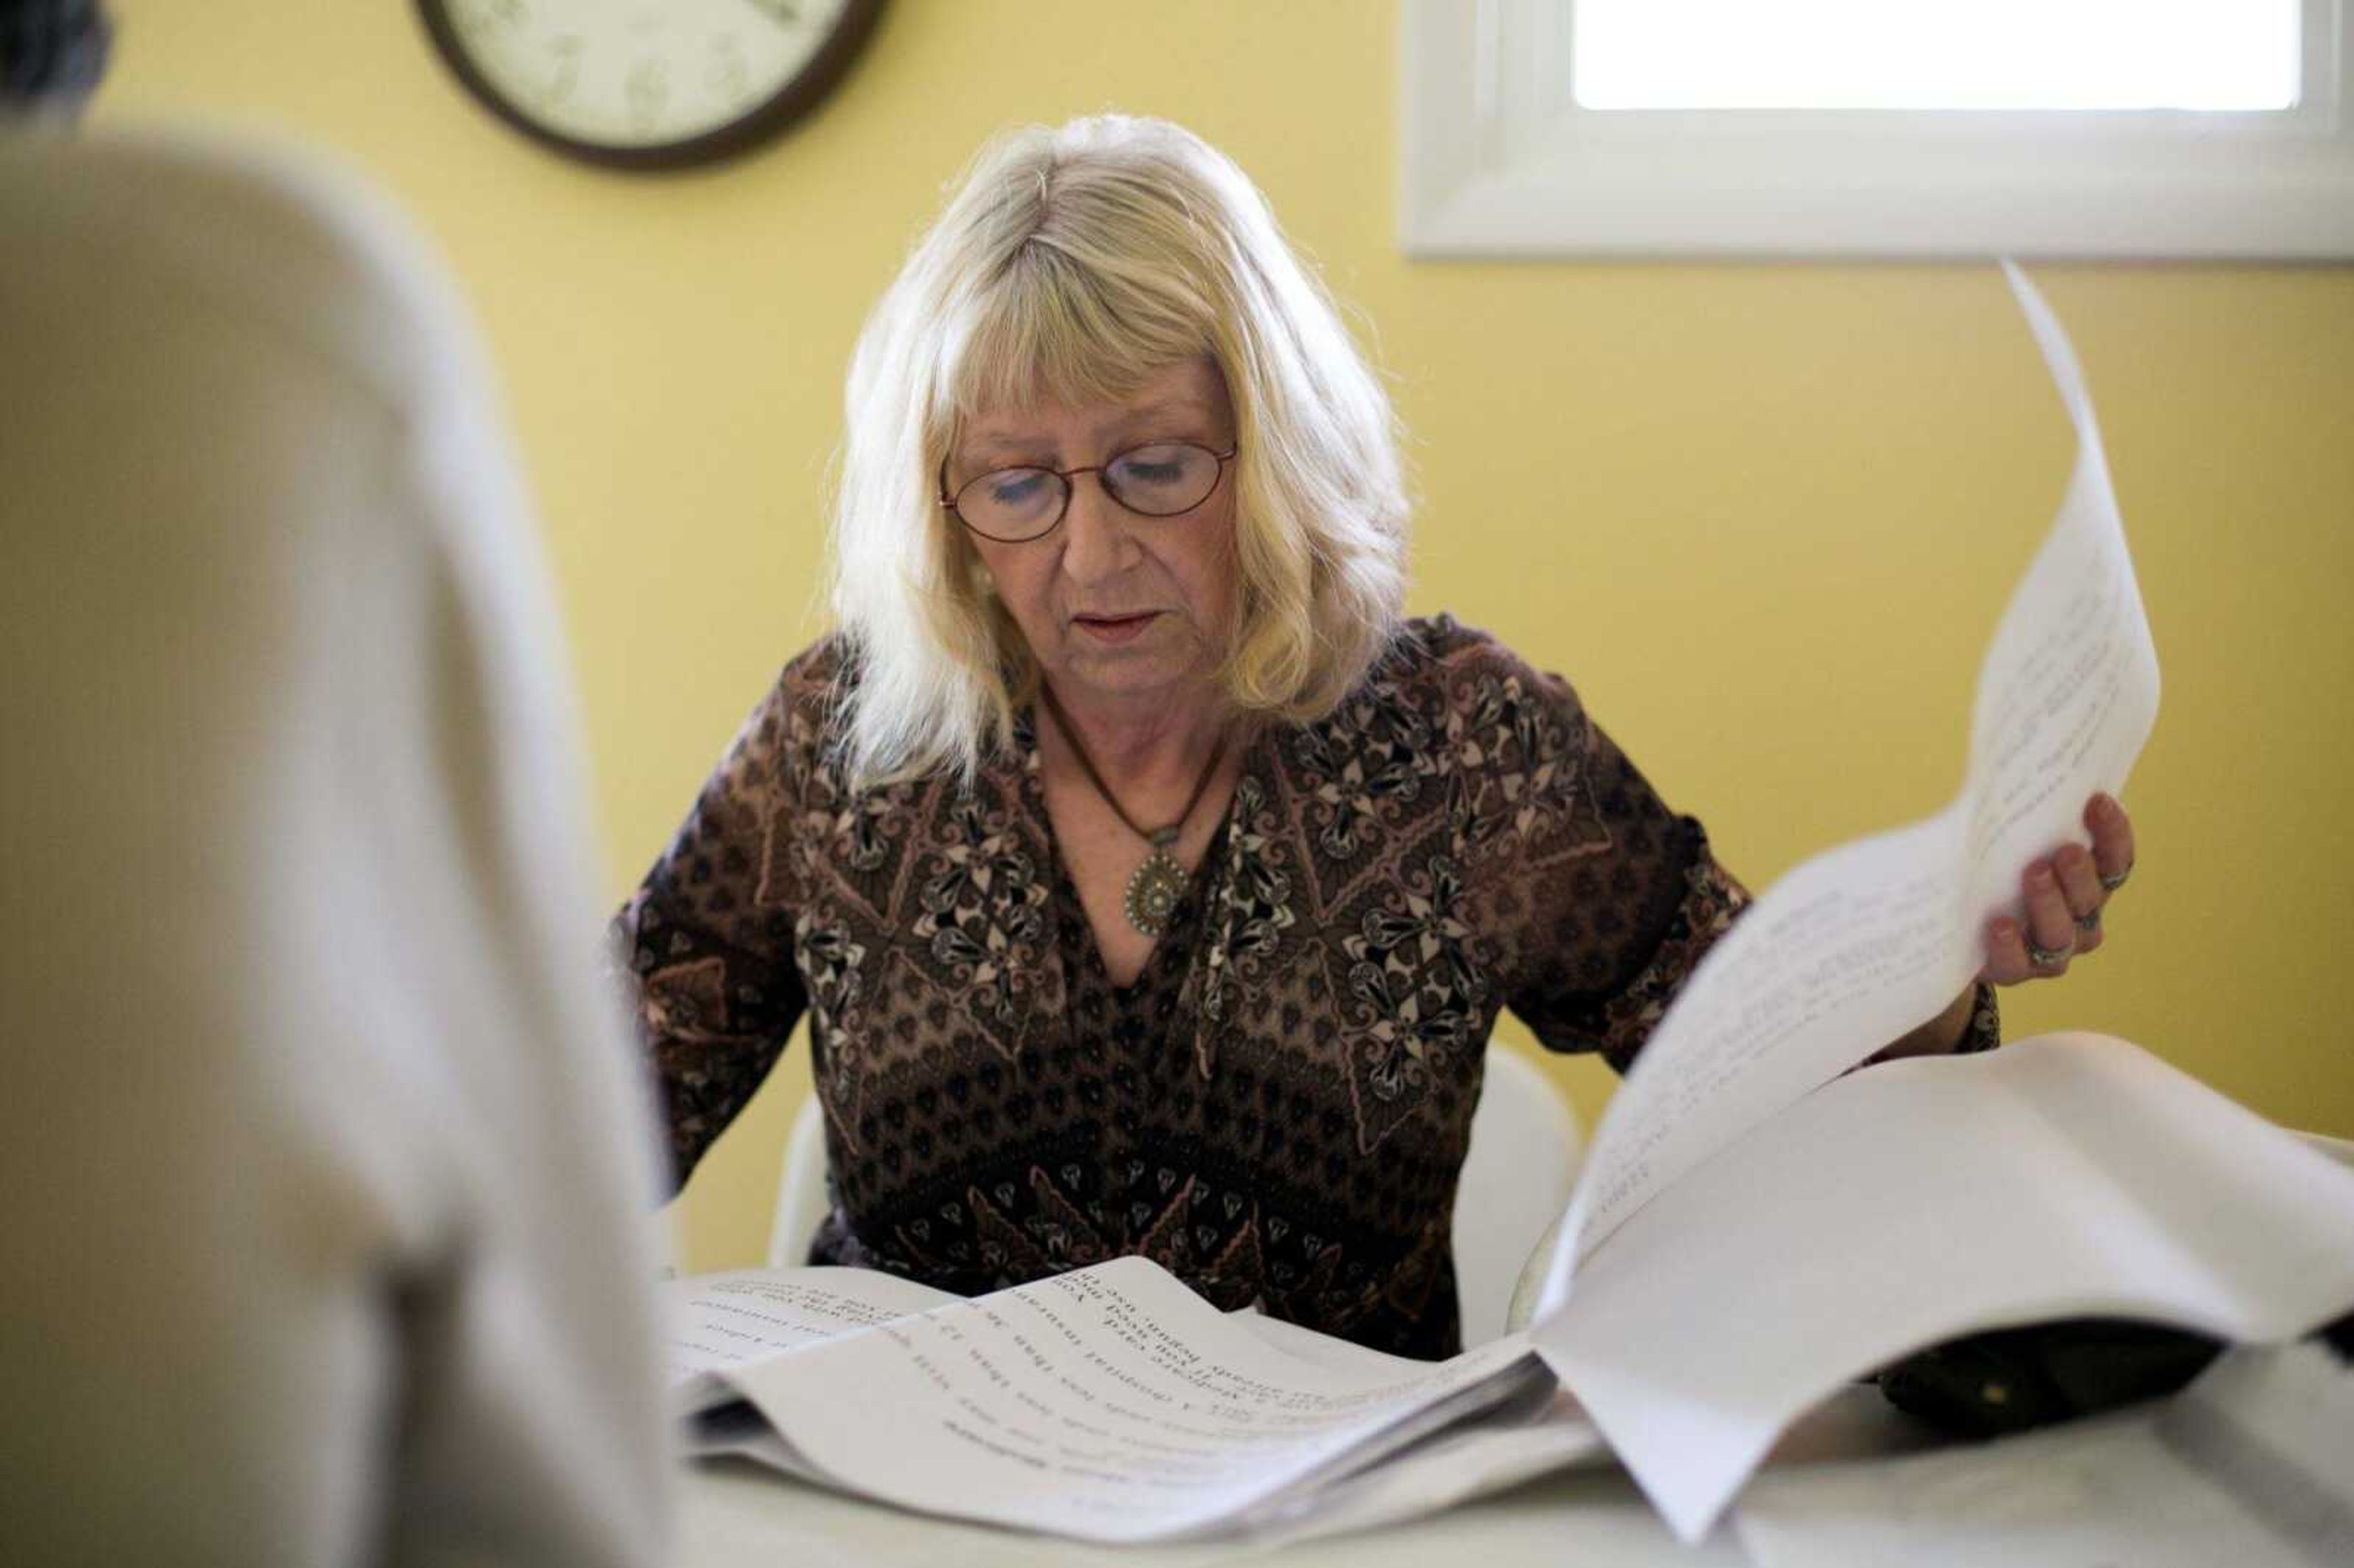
x: 1071, y: 265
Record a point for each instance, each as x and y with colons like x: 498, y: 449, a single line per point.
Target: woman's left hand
x: 2065, y: 894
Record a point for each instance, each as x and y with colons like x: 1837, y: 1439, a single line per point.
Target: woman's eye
x: 1015, y: 485
x: 1154, y: 465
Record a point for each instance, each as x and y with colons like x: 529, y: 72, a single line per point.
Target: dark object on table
x: 1990, y: 1386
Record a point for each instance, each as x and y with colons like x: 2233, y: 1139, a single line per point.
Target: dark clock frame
x: 787, y: 106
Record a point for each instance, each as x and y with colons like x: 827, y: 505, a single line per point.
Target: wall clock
x: 648, y: 84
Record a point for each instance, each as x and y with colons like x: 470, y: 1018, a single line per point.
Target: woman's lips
x: 1114, y: 627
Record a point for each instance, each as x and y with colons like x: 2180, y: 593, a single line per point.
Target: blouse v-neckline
x: 1184, y: 919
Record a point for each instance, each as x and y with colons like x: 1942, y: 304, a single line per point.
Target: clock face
x: 649, y: 82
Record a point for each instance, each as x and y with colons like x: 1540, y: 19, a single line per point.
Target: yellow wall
x: 1764, y: 515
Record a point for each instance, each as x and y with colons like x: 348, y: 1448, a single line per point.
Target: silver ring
x: 2045, y: 958
x: 2114, y: 882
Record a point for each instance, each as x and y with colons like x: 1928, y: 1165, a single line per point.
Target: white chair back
x: 1524, y: 1149
x: 801, y: 1199
x: 1516, y: 1178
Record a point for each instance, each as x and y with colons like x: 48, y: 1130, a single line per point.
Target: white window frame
x: 1497, y: 158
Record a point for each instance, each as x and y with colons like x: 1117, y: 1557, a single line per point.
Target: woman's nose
x: 1097, y: 541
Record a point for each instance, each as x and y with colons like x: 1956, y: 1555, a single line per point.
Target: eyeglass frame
x: 1071, y: 491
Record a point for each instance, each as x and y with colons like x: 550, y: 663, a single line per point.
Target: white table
x: 733, y: 1512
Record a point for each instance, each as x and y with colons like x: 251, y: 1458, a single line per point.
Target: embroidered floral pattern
x: 1365, y: 762
x: 982, y: 911
x: 1254, y: 904
x: 1515, y: 775
x: 1417, y: 1011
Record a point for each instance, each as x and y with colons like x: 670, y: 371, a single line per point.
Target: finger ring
x: 2044, y: 957
x: 2114, y: 882
x: 2088, y: 924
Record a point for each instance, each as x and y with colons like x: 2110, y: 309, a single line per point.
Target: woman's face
x: 1115, y: 606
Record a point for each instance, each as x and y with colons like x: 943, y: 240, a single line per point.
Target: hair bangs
x: 1055, y: 331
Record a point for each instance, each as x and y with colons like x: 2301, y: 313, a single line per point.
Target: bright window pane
x: 1937, y: 54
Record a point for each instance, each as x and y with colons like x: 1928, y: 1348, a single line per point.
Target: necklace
x: 1153, y: 887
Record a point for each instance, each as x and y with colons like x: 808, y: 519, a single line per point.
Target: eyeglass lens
x: 1156, y: 481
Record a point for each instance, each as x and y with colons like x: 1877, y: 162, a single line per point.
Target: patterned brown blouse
x: 1276, y: 1108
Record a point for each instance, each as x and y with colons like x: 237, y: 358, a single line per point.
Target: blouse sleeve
x: 707, y: 940
x: 1610, y: 899
x: 1613, y: 933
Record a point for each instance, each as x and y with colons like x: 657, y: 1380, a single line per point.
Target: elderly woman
x: 1152, y: 883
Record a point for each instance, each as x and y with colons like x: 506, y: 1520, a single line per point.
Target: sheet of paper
x: 1450, y: 1468
x: 1852, y: 949
x: 1544, y: 1432
x: 1109, y: 1404
x: 1443, y: 1471
x: 2068, y: 1175
x: 2253, y: 1466
x: 719, y: 1320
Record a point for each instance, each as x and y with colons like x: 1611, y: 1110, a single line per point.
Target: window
x: 1876, y: 127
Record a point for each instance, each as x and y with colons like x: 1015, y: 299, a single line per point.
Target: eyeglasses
x: 1015, y: 506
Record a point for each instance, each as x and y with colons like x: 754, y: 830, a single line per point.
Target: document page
x: 2069, y: 1175
x: 1856, y: 946
x: 716, y: 1320
x: 1452, y: 1468
x: 1109, y: 1404
x: 2252, y: 1466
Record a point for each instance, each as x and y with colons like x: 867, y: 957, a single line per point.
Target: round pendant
x: 1153, y: 889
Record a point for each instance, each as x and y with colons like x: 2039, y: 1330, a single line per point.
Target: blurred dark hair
x: 52, y: 52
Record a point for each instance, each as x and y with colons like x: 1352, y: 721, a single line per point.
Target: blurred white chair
x: 801, y: 1199
x: 1524, y: 1149
x: 1524, y: 1154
